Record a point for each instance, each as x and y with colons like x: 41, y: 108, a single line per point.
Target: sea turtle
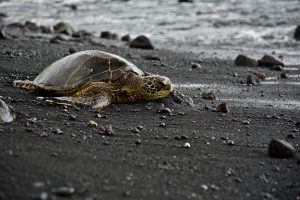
x: 98, y: 79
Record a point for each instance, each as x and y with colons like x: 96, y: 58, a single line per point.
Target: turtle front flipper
x: 101, y: 102
x: 26, y: 84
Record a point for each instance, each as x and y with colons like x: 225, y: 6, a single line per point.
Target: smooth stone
x: 64, y: 191
x: 223, y: 107
x: 5, y: 113
x: 31, y: 26
x: 126, y: 38
x: 141, y: 42
x: 252, y: 80
x: 242, y: 60
x: 281, y: 149
x: 297, y: 33
x: 269, y: 61
x: 63, y: 27
x: 2, y: 35
x: 108, y: 35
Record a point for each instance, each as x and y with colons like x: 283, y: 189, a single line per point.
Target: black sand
x: 228, y: 155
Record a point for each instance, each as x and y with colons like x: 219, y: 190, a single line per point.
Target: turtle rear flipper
x: 26, y: 84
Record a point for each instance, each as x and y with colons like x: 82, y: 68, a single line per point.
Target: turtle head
x: 156, y: 86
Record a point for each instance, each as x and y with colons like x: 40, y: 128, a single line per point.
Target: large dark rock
x: 281, y: 149
x: 269, y: 61
x: 141, y: 42
x: 242, y: 60
x: 297, y: 33
x: 63, y: 27
x: 5, y: 114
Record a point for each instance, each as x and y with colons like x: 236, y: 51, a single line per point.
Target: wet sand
x: 227, y: 158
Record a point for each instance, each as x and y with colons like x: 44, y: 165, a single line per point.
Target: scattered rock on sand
x: 281, y: 149
x: 2, y: 35
x: 208, y: 95
x: 63, y: 27
x: 5, y: 114
x: 108, y: 35
x: 223, y: 107
x: 46, y: 29
x: 180, y: 98
x: 126, y: 38
x: 297, y: 33
x: 269, y: 61
x: 141, y: 42
x: 196, y: 65
x: 252, y: 80
x: 66, y: 191
x: 92, y: 123
x: 242, y: 60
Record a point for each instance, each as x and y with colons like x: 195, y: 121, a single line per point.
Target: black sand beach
x: 50, y: 152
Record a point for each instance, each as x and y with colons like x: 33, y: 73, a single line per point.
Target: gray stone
x: 5, y: 113
x: 269, y: 61
x: 281, y: 149
x: 242, y: 60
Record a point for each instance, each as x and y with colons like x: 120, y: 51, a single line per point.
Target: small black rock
x: 108, y: 35
x: 63, y: 28
x: 126, y: 38
x: 72, y: 50
x: 242, y: 60
x: 284, y: 75
x: 141, y: 42
x: 297, y: 33
x: 64, y: 191
x: 223, y: 107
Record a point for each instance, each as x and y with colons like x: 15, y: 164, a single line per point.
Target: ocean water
x: 229, y: 26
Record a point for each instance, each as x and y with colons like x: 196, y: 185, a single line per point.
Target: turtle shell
x: 78, y: 69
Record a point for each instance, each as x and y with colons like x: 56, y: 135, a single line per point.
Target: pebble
x: 223, y: 107
x: 135, y: 130
x: 5, y: 113
x: 165, y: 111
x: 246, y: 122
x: 208, y: 95
x: 230, y: 142
x: 138, y: 142
x: 58, y: 131
x: 65, y: 191
x: 187, y: 145
x: 284, y: 75
x: 72, y: 117
x: 196, y: 65
x: 162, y: 125
x: 42, y: 196
x: 2, y: 35
x: 185, y: 1
x: 72, y: 50
x: 109, y: 130
x: 92, y: 123
x: 126, y: 38
x: 269, y: 61
x: 252, y: 80
x: 242, y: 60
x: 141, y: 42
x: 64, y: 28
x: 108, y: 35
x: 281, y: 149
x: 204, y: 187
x: 297, y: 124
x: 297, y: 33
x: 290, y: 136
x: 260, y: 75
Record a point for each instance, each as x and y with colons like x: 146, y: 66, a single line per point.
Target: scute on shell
x: 80, y: 68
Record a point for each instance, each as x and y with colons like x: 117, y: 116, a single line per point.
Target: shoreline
x: 228, y: 154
